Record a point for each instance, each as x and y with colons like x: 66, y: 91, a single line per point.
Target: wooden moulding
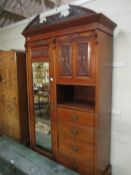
x: 76, y: 18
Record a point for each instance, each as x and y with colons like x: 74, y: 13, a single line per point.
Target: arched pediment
x: 70, y: 15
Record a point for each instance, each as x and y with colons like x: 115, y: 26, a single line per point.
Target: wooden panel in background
x: 13, y: 96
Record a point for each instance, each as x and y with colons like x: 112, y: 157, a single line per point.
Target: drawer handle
x: 74, y: 131
x: 75, y: 117
x: 74, y: 167
x: 75, y: 148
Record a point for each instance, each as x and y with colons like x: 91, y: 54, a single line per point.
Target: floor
x: 16, y: 159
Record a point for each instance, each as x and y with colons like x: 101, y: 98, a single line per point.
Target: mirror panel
x: 41, y: 89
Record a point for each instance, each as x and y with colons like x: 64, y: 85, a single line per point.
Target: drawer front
x: 84, y: 168
x: 79, y: 117
x: 77, y: 132
x: 76, y: 148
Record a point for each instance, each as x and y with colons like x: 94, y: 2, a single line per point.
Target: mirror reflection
x: 42, y: 104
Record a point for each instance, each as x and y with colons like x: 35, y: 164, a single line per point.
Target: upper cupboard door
x: 84, y: 68
x: 64, y: 64
x: 75, y: 58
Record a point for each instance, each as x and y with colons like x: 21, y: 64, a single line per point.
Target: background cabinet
x: 80, y: 59
x: 13, y: 96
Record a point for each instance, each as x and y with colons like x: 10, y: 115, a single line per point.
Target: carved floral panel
x: 82, y: 60
x: 65, y: 60
x: 41, y: 52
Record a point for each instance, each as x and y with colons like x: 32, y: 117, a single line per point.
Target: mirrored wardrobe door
x: 41, y: 88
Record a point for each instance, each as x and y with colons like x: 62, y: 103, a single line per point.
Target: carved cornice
x: 77, y: 16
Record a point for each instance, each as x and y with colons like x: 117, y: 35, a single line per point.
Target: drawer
x: 79, y: 117
x: 82, y: 167
x: 71, y: 130
x: 76, y: 148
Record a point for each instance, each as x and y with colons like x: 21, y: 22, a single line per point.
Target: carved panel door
x: 76, y: 58
x: 64, y: 62
x: 84, y: 58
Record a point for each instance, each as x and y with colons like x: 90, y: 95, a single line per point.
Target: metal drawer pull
x: 75, y: 148
x: 74, y: 131
x: 75, y: 117
x: 74, y: 167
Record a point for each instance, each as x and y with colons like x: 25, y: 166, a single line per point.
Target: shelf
x: 76, y: 97
x: 86, y: 106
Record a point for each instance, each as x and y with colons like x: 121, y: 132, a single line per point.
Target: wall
x: 11, y: 38
x: 120, y: 12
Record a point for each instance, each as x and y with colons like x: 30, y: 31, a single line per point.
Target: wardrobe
x: 14, y: 121
x: 69, y: 68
